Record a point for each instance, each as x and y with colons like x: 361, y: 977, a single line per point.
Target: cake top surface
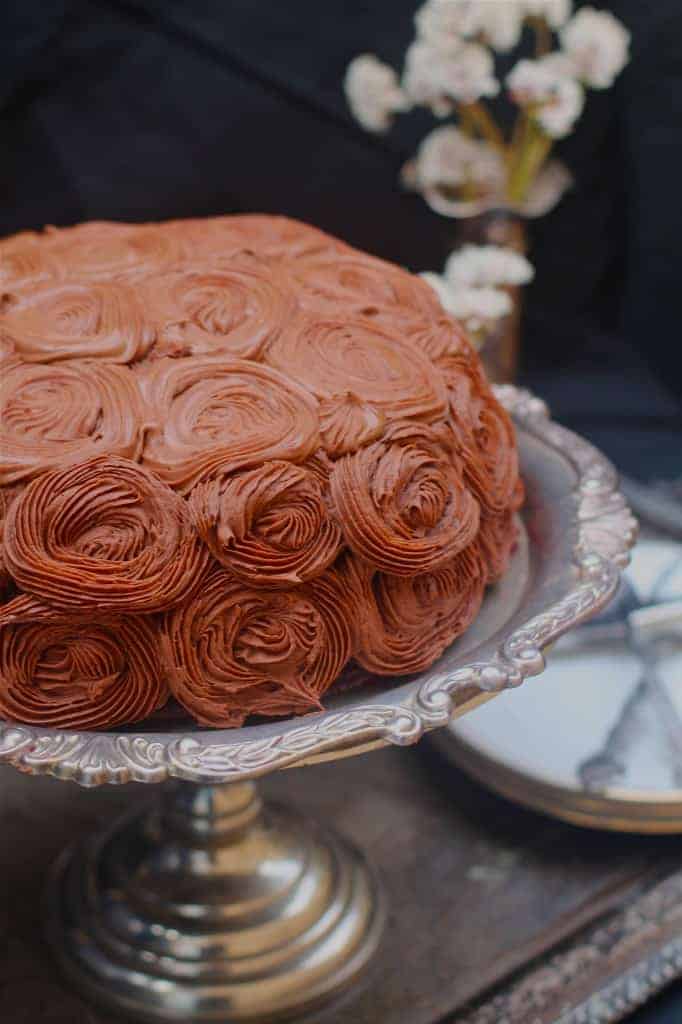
x: 242, y: 433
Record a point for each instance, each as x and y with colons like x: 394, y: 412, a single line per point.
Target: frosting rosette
x: 440, y: 337
x: 235, y: 651
x: 409, y: 621
x: 60, y: 413
x: 103, y: 535
x: 24, y: 262
x: 7, y: 496
x: 488, y: 448
x: 347, y: 422
x: 335, y: 358
x: 402, y: 502
x: 269, y: 525
x: 215, y: 415
x: 237, y: 308
x: 105, y: 250
x: 76, y: 319
x: 80, y: 674
x: 353, y: 284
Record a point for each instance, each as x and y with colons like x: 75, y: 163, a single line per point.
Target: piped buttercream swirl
x: 236, y: 308
x: 235, y: 650
x: 216, y: 414
x: 106, y: 251
x: 103, y: 535
x: 407, y: 622
x: 402, y: 502
x: 269, y: 525
x: 69, y: 320
x: 61, y: 413
x: 80, y: 673
x: 335, y: 357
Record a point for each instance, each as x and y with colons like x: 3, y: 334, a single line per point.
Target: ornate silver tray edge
x: 605, y: 531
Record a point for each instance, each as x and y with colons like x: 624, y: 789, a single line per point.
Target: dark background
x: 146, y: 109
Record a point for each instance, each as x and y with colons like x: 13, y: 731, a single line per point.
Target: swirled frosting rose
x: 60, y: 413
x: 340, y: 360
x: 24, y: 262
x: 402, y: 502
x: 103, y: 535
x: 212, y: 414
x: 409, y: 621
x: 235, y: 455
x: 73, y: 319
x: 236, y: 650
x: 105, y: 251
x: 354, y: 284
x: 270, y: 525
x: 237, y: 308
x: 81, y: 673
x: 7, y: 496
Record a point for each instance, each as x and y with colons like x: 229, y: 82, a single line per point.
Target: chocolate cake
x: 235, y: 454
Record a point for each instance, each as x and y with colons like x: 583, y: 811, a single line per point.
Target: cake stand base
x: 211, y: 907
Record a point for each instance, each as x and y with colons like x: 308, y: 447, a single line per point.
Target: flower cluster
x: 450, y: 69
x: 472, y: 284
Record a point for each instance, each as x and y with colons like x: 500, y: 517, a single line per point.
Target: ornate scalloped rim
x: 606, y: 532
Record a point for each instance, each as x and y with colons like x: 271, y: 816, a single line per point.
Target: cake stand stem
x: 211, y: 906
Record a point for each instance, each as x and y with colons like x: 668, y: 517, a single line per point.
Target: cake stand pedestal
x: 209, y: 906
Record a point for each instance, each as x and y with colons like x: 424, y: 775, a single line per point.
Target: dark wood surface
x: 478, y: 888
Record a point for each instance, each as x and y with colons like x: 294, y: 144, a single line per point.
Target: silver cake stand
x: 208, y: 905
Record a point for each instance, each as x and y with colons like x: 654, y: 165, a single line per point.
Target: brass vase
x: 500, y: 349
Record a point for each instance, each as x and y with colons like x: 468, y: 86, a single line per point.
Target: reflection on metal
x: 210, y: 907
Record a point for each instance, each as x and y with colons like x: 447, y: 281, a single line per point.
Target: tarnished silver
x: 207, y: 908
x: 210, y: 907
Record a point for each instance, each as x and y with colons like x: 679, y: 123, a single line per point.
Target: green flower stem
x: 532, y: 151
x: 480, y: 117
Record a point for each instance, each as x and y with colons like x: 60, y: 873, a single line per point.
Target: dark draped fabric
x: 144, y: 109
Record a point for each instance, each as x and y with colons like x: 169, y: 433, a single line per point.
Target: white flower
x: 373, y: 92
x: 597, y: 45
x: 445, y: 23
x: 500, y: 23
x: 483, y: 266
x: 556, y: 99
x: 447, y: 158
x: 555, y: 12
x: 435, y: 78
x: 474, y: 306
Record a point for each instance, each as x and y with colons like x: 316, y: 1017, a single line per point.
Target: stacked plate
x: 597, y: 739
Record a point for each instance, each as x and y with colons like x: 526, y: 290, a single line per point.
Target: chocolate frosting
x: 270, y: 525
x: 105, y: 534
x: 402, y: 501
x: 241, y: 450
x: 60, y: 413
x: 409, y: 621
x: 69, y: 320
x: 333, y: 357
x: 236, y: 650
x: 236, y: 308
x: 79, y: 673
x: 214, y: 414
